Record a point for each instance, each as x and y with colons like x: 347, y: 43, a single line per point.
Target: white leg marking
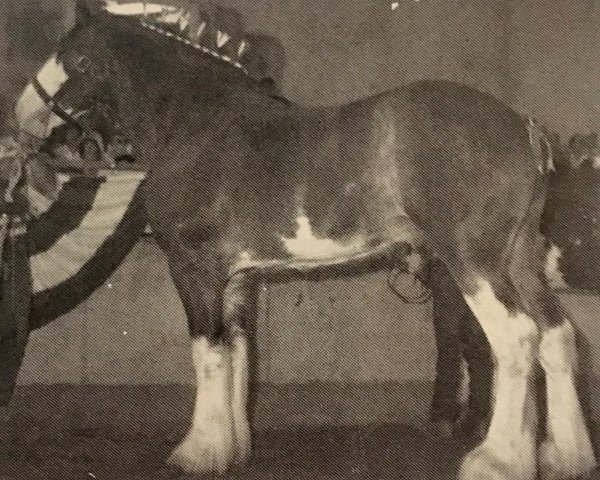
x: 567, y: 451
x: 509, y: 450
x: 239, y: 397
x: 209, y: 445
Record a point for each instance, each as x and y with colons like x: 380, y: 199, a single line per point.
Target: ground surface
x: 378, y: 452
x: 126, y: 434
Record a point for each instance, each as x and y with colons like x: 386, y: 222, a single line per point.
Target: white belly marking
x: 308, y: 247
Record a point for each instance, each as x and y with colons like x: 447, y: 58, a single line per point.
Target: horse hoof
x: 484, y: 464
x: 243, y: 441
x: 575, y: 462
x: 200, y: 453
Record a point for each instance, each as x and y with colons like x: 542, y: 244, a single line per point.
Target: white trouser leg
x: 239, y: 397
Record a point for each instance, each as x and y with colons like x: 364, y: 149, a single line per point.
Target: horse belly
x: 307, y: 250
x: 305, y: 245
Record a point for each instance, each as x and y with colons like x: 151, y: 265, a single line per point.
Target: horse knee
x: 239, y: 301
x: 512, y: 334
x: 558, y: 349
x: 519, y: 353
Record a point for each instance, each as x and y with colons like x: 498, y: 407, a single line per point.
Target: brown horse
x: 245, y: 186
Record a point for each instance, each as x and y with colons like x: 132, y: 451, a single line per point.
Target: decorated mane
x: 212, y: 30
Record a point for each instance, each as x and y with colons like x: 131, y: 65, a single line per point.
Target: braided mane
x: 198, y: 46
x: 212, y: 30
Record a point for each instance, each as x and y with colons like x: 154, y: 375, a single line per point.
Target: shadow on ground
x: 57, y: 435
x: 382, y: 452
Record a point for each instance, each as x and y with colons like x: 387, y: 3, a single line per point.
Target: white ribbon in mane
x: 222, y: 38
x: 137, y: 8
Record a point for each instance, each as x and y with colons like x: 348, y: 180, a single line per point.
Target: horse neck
x: 152, y: 110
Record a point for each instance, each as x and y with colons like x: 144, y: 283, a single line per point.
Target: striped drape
x: 76, y: 241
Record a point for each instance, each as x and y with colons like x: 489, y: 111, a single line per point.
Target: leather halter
x: 53, y: 102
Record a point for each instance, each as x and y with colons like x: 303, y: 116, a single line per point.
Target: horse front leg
x: 209, y: 445
x: 219, y: 321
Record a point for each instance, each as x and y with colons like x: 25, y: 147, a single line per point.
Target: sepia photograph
x: 299, y: 239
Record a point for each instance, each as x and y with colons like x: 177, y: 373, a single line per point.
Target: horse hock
x: 567, y: 451
x: 509, y: 450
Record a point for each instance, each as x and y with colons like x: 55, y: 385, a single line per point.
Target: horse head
x: 50, y: 100
x: 121, y: 54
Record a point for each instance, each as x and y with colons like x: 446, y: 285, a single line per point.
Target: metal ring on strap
x: 53, y: 105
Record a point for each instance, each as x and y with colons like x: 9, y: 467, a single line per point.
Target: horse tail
x: 540, y: 146
x: 541, y: 152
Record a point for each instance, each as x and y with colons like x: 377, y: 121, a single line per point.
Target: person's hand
x: 407, y: 286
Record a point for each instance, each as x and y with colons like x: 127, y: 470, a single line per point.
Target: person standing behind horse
x: 459, y: 338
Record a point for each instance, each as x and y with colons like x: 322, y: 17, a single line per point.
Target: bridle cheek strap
x: 53, y: 104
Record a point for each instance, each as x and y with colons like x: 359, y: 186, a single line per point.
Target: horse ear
x: 86, y: 9
x: 82, y: 12
x: 264, y: 56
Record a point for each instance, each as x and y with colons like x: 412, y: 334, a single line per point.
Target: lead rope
x: 10, y: 227
x: 397, y: 275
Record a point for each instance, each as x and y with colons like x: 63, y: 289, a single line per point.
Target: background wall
x: 538, y: 55
x: 342, y: 352
x: 133, y: 330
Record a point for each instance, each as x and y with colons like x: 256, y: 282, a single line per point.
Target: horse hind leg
x: 509, y: 450
x: 566, y: 452
x: 534, y: 329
